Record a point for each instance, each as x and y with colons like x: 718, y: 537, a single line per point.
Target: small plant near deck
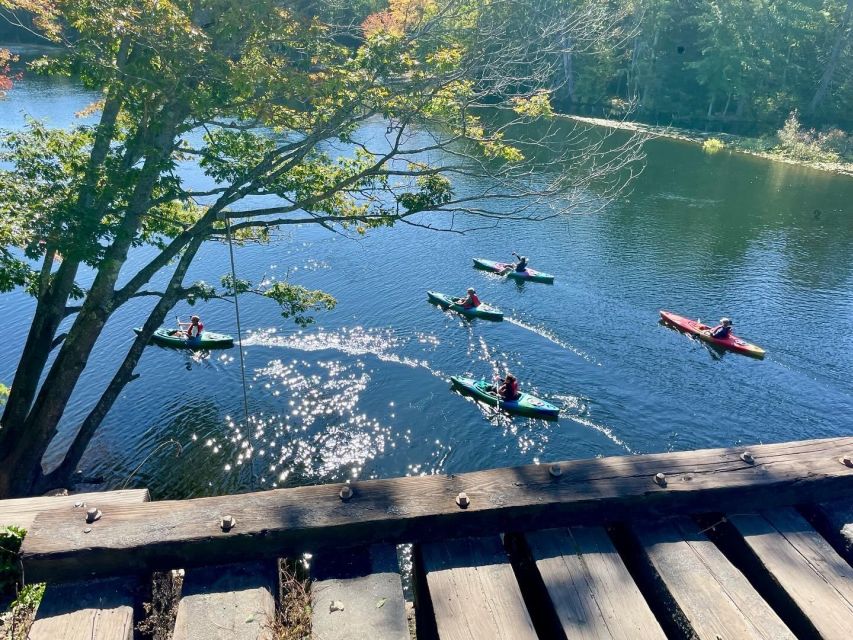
x: 15, y: 621
x: 293, y: 617
x: 807, y: 144
x: 713, y: 145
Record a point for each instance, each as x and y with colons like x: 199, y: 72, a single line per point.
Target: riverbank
x: 767, y: 147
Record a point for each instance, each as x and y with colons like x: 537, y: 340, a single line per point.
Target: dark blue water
x: 364, y: 392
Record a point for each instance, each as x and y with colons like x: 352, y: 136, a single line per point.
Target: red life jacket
x: 473, y: 301
x: 199, y: 328
x: 510, y: 389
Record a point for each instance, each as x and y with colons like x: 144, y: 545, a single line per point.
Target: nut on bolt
x: 462, y: 500
x: 227, y: 523
x: 92, y: 514
x: 746, y: 456
x: 847, y: 461
x: 555, y: 470
x: 345, y: 493
x: 660, y: 478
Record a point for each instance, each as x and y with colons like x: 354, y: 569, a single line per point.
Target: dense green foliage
x: 743, y: 65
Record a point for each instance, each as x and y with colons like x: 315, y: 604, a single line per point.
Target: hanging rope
x: 239, y: 336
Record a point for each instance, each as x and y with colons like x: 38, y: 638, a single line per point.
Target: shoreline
x: 733, y: 143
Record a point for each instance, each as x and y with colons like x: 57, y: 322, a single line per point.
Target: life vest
x: 198, y: 327
x: 510, y: 389
x: 471, y: 301
x: 721, y: 332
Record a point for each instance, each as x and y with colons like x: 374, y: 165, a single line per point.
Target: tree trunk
x: 63, y: 473
x: 49, y: 313
x: 55, y: 290
x: 834, y: 57
x: 568, y: 70
x: 21, y: 467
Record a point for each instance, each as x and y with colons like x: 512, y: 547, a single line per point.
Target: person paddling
x: 471, y: 301
x: 521, y: 265
x: 722, y: 330
x: 193, y: 329
x: 508, y: 389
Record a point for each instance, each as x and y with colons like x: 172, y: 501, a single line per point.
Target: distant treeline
x: 740, y: 66
x: 735, y: 65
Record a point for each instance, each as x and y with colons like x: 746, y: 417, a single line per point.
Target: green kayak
x: 209, y: 340
x: 484, y: 311
x: 508, y: 269
x: 526, y: 404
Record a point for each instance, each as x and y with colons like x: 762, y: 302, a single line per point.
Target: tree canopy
x: 253, y: 94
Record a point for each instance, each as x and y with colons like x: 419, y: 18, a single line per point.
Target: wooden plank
x: 92, y: 610
x: 231, y: 602
x: 591, y: 591
x: 815, y: 577
x: 473, y: 592
x: 20, y: 512
x: 358, y: 594
x: 715, y: 598
x: 835, y: 520
x: 187, y: 533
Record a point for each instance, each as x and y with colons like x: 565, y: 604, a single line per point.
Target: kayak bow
x: 702, y: 332
x: 209, y: 340
x: 484, y: 311
x: 526, y: 404
x: 508, y: 269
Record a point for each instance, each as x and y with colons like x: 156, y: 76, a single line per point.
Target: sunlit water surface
x: 364, y: 392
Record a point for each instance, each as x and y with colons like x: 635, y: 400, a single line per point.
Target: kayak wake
x: 542, y: 332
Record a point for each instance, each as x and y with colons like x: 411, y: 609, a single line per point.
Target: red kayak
x: 702, y: 331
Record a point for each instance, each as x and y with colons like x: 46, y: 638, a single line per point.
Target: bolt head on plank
x: 227, y: 523
x: 746, y: 456
x: 847, y: 461
x: 660, y: 478
x: 92, y: 514
x: 462, y: 500
x: 345, y: 493
x: 555, y: 470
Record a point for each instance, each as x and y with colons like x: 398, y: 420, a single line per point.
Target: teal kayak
x: 526, y: 404
x: 508, y: 269
x: 209, y: 340
x: 484, y: 311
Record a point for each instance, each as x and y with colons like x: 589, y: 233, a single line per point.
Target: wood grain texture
x: 367, y: 584
x: 92, y: 610
x: 168, y: 534
x: 716, y: 598
x: 816, y: 578
x: 20, y: 512
x: 593, y: 595
x: 473, y: 591
x: 231, y: 602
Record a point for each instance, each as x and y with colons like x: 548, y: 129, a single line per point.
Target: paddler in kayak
x: 722, y: 330
x: 471, y: 301
x: 509, y: 389
x: 193, y: 329
x: 521, y: 265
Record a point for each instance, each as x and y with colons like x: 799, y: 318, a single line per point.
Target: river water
x: 363, y: 393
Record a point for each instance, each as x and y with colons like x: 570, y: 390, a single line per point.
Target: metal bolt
x: 87, y: 530
x: 346, y: 492
x: 227, y: 523
x: 555, y: 470
x: 462, y: 500
x: 746, y: 456
x: 92, y: 514
x: 78, y: 504
x: 847, y: 461
x: 660, y: 478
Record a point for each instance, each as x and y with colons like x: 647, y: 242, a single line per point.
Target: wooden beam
x: 20, y: 512
x: 817, y: 579
x: 169, y: 534
x: 712, y: 596
x: 231, y: 602
x: 91, y: 610
x: 592, y: 594
x: 358, y: 594
x: 473, y: 592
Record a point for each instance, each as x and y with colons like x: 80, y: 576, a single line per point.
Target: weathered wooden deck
x: 717, y: 544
